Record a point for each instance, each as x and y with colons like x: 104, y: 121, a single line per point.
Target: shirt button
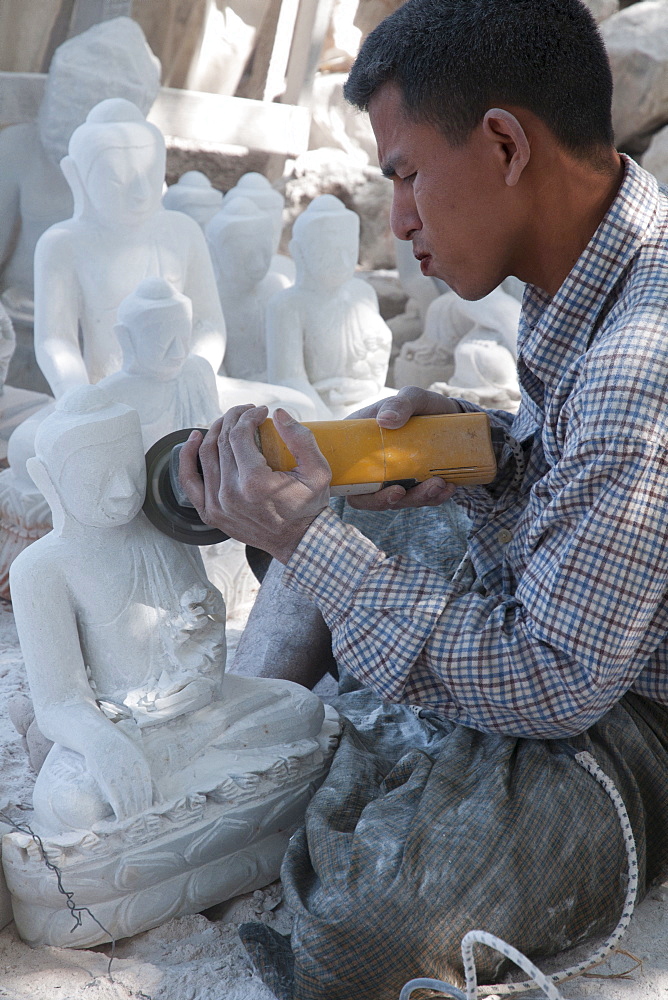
x: 504, y: 536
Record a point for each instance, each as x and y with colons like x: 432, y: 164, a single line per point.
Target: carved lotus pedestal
x: 181, y: 857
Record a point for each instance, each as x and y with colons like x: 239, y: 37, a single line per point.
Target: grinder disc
x: 161, y: 506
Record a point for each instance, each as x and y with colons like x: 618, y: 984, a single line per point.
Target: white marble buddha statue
x: 325, y: 335
x: 257, y: 188
x: 194, y: 194
x: 241, y: 248
x: 171, y: 388
x: 123, y: 638
x: 119, y: 234
x: 168, y: 385
x: 170, y: 786
x: 110, y: 59
x: 467, y: 349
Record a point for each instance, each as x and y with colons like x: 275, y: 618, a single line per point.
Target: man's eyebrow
x: 389, y: 168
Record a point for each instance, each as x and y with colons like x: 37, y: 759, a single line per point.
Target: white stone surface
x: 656, y: 158
x: 257, y: 188
x: 468, y: 349
x: 119, y: 234
x: 169, y: 786
x: 194, y: 194
x: 241, y: 245
x: 325, y: 336
x: 111, y: 59
x: 637, y: 43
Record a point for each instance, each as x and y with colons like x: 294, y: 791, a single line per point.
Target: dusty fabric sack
x: 425, y: 829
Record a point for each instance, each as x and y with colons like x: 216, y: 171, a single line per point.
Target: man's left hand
x: 238, y: 493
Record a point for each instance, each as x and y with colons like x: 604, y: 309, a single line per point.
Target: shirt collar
x: 554, y: 331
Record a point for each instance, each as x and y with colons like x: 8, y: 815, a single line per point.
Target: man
x: 492, y: 119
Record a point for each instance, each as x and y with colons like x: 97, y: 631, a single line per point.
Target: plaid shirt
x: 569, y: 609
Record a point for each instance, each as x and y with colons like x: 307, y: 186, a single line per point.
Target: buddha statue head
x: 116, y: 165
x: 257, y: 188
x: 325, y: 243
x: 89, y: 460
x: 193, y: 194
x: 154, y: 329
x: 110, y: 59
x: 240, y: 243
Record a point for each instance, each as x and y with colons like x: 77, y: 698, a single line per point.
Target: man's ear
x: 503, y: 128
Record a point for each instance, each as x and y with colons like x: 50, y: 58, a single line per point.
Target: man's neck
x: 568, y: 209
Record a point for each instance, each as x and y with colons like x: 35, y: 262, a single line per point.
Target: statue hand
x: 411, y: 401
x: 121, y: 771
x: 239, y: 493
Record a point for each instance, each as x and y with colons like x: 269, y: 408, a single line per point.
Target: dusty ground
x: 200, y: 957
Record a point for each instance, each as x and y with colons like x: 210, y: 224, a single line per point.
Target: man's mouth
x: 424, y: 259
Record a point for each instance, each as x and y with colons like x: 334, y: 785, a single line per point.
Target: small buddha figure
x: 168, y: 385
x: 468, y: 349
x: 241, y: 249
x: 126, y: 656
x: 194, y: 194
x: 325, y: 335
x: 119, y: 234
x: 111, y: 59
x: 257, y: 188
x: 170, y: 388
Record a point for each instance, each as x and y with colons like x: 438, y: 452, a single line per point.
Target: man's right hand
x: 393, y: 412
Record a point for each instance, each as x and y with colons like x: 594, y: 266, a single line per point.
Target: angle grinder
x: 363, y: 457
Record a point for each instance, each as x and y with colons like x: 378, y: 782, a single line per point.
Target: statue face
x: 124, y: 185
x: 103, y: 485
x: 161, y: 349
x: 253, y: 256
x: 329, y: 253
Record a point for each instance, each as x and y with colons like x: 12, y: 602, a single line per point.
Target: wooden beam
x: 218, y: 120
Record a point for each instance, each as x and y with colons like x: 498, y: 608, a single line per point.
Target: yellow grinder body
x: 363, y: 456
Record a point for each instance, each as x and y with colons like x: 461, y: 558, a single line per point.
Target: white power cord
x: 546, y: 983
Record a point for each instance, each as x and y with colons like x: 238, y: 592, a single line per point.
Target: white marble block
x: 170, y: 785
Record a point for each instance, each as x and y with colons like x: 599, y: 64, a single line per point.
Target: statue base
x: 118, y: 879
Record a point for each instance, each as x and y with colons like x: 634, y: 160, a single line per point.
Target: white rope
x: 547, y: 983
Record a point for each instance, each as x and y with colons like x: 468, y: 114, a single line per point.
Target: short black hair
x: 455, y: 59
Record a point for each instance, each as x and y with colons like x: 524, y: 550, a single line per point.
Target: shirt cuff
x: 330, y: 563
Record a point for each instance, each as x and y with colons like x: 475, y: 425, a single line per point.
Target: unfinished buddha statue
x: 169, y: 785
x: 325, y: 335
x: 111, y: 59
x: 241, y: 247
x: 168, y: 385
x: 118, y: 235
x: 171, y: 388
x: 194, y: 194
x: 467, y: 349
x: 257, y: 188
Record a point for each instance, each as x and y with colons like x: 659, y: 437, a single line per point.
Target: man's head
x: 455, y: 59
x: 463, y: 94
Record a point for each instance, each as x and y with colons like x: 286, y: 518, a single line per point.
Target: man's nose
x: 404, y: 217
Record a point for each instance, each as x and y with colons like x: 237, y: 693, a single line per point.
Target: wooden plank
x: 223, y: 121
x: 211, y: 119
x: 307, y: 42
